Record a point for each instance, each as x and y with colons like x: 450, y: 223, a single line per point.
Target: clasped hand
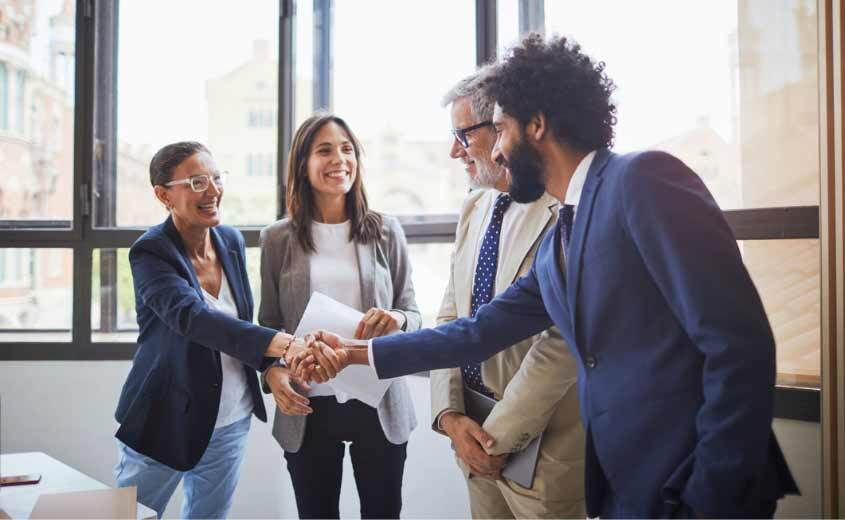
x: 319, y: 358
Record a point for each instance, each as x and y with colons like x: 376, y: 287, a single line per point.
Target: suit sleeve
x: 547, y: 375
x: 404, y: 298
x: 447, y: 383
x: 692, y: 255
x: 172, y: 299
x: 512, y: 316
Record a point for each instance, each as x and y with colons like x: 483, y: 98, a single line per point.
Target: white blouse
x: 335, y: 273
x: 235, y: 400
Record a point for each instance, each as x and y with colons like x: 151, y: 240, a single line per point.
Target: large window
x: 209, y: 78
x: 730, y: 87
x: 37, y: 59
x: 389, y: 89
x: 35, y: 294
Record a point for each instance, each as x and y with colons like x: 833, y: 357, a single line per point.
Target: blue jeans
x: 208, y: 487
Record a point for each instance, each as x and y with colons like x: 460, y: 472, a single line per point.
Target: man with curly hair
x: 643, y: 277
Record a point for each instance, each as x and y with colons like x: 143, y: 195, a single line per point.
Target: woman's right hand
x: 277, y: 345
x: 289, y: 401
x: 283, y: 345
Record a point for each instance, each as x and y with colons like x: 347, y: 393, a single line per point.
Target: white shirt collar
x: 576, y: 183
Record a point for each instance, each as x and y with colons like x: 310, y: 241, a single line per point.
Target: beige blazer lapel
x: 465, y: 256
x: 367, y: 273
x: 530, y: 230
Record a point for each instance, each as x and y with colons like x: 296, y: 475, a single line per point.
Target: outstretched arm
x: 172, y: 299
x: 512, y: 316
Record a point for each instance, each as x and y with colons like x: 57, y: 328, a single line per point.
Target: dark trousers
x: 317, y: 468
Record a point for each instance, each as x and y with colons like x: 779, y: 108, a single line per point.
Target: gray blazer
x: 385, y: 273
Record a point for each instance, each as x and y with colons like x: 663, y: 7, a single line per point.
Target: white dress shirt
x: 576, y: 183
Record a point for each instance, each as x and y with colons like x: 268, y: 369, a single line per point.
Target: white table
x: 56, y: 477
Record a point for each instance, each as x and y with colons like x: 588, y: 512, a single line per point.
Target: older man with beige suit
x: 534, y: 381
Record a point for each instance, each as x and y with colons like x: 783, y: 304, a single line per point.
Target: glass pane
x: 304, y: 61
x: 113, y: 315
x: 217, y: 86
x: 430, y: 264
x: 388, y: 84
x: 507, y: 25
x: 112, y: 297
x: 37, y: 46
x: 786, y: 273
x: 729, y: 87
x: 36, y: 291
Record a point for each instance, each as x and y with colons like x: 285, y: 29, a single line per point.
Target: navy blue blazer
x: 169, y: 403
x: 676, y: 355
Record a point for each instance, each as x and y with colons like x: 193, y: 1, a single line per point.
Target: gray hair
x: 472, y: 87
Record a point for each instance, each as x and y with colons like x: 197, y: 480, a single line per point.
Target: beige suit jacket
x: 535, y: 380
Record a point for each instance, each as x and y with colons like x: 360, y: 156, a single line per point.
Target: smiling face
x: 190, y: 208
x: 523, y: 163
x: 483, y: 173
x: 332, y: 165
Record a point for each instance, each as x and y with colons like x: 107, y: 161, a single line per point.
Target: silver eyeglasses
x: 200, y: 183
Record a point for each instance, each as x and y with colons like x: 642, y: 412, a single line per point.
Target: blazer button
x: 590, y: 362
x: 215, y: 385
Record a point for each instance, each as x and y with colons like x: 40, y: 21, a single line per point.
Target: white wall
x: 66, y: 410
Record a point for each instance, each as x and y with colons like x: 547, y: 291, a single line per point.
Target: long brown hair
x: 366, y: 224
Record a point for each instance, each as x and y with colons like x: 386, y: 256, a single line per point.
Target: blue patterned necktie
x: 564, y: 220
x: 484, y: 283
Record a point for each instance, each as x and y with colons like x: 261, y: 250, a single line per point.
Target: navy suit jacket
x: 169, y: 403
x: 676, y: 355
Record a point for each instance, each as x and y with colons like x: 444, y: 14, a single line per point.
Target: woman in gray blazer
x: 333, y: 243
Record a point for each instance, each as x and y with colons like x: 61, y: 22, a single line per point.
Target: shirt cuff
x: 440, y: 418
x: 370, y: 356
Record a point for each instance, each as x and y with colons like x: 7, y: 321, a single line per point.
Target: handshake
x: 321, y: 356
x: 316, y: 358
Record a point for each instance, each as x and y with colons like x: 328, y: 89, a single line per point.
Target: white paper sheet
x: 355, y: 381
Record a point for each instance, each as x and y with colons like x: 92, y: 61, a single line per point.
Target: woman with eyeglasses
x: 186, y: 406
x: 332, y: 242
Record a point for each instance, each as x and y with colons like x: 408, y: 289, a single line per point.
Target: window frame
x: 95, y: 115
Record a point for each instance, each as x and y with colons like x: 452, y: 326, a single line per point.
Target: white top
x: 576, y: 183
x: 335, y: 273
x: 235, y: 401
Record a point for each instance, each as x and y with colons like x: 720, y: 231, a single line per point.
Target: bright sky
x: 394, y: 60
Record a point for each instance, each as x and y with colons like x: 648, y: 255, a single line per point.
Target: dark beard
x: 526, y: 168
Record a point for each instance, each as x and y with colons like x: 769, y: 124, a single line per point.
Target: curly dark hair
x: 557, y: 79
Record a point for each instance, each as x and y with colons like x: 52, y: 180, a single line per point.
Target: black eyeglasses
x: 461, y: 133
